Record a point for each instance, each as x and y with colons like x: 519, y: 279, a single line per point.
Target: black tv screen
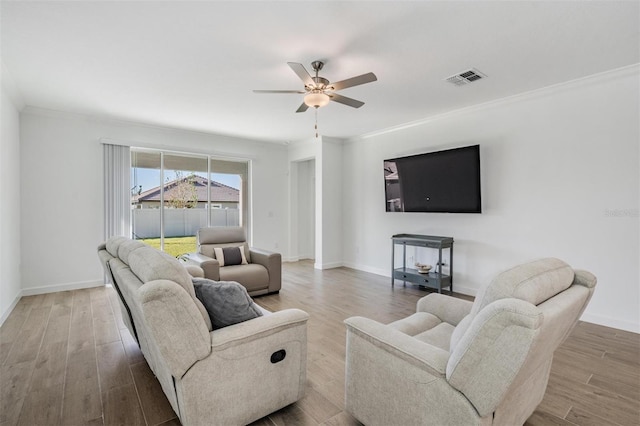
x: 441, y: 182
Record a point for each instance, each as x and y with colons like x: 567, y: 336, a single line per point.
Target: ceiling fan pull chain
x: 316, y: 126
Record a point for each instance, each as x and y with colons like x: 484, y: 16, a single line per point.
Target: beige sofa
x: 261, y: 275
x: 229, y: 376
x: 454, y: 362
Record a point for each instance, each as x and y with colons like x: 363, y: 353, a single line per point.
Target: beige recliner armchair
x: 455, y: 362
x: 260, y: 271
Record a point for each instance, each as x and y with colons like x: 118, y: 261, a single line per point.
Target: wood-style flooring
x: 67, y: 359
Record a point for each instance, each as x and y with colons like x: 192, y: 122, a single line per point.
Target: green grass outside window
x: 175, y: 246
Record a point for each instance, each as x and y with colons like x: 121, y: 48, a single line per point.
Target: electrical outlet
x: 410, y: 259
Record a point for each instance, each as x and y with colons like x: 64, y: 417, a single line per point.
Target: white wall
x: 9, y: 197
x: 331, y: 192
x: 62, y: 191
x: 306, y: 209
x: 559, y: 178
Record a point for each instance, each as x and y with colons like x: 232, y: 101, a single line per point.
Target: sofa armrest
x: 257, y: 328
x: 194, y: 270
x: 255, y: 367
x: 175, y: 323
x: 425, y: 356
x: 209, y: 265
x: 449, y: 309
x: 273, y: 262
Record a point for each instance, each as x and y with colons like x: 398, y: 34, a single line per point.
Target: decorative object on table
x: 423, y: 268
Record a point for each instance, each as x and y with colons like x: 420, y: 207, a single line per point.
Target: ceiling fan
x: 319, y: 91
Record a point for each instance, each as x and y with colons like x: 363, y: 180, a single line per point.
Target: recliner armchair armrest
x: 273, y: 262
x: 430, y: 358
x: 449, y: 309
x: 209, y: 265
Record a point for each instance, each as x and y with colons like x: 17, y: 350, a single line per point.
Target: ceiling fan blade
x: 278, y: 91
x: 302, y: 108
x: 344, y: 100
x: 302, y: 73
x: 354, y: 81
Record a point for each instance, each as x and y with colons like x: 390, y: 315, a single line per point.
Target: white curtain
x: 117, y: 191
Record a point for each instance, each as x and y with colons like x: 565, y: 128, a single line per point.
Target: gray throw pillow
x: 227, y: 302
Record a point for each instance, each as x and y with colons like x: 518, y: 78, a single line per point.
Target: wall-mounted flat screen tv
x: 442, y: 182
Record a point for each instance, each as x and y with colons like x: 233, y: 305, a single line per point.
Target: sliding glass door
x: 175, y: 194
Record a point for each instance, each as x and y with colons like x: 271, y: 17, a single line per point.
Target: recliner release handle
x: 278, y: 356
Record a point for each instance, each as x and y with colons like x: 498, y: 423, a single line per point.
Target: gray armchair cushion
x: 222, y: 236
x: 253, y: 276
x: 227, y: 302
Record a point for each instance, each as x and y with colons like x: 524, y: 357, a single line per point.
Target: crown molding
x: 622, y: 72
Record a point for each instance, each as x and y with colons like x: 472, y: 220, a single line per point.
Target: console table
x: 436, y: 280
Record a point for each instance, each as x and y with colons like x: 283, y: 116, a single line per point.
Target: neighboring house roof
x: 220, y: 193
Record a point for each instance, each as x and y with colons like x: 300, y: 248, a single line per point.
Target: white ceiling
x: 193, y: 65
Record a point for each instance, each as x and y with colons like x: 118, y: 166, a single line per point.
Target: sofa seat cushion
x: 439, y: 336
x: 253, y: 276
x: 416, y: 323
x: 227, y: 302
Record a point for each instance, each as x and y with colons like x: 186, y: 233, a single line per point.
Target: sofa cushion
x: 112, y: 244
x: 227, y: 302
x: 533, y: 282
x: 150, y: 264
x: 227, y: 256
x: 126, y: 247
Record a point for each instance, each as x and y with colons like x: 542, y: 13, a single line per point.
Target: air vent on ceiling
x: 465, y: 77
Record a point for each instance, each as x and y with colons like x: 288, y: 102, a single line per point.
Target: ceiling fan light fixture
x: 316, y: 99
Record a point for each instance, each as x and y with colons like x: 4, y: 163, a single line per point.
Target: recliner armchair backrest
x: 515, y: 325
x: 222, y: 236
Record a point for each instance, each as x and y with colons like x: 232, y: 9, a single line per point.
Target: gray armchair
x: 262, y: 272
x: 455, y: 362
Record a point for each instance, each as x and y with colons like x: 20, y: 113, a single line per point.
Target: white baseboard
x: 365, y: 268
x: 297, y: 258
x: 469, y: 291
x: 329, y: 265
x: 60, y: 287
x: 47, y: 289
x: 611, y: 322
x: 6, y: 314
